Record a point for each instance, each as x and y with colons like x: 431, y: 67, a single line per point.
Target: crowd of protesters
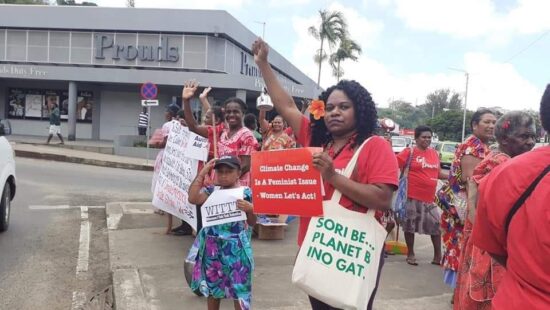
x: 488, y: 222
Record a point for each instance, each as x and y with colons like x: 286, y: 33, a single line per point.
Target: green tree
x: 404, y: 114
x: 348, y: 49
x: 440, y: 101
x: 448, y: 125
x: 35, y: 2
x: 332, y: 29
x: 72, y: 2
x: 131, y: 3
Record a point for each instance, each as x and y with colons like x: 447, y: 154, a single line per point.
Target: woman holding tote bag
x: 341, y: 127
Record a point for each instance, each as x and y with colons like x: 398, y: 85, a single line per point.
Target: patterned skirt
x: 223, y: 266
x: 421, y: 217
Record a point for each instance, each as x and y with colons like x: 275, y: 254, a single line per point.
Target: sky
x: 411, y: 47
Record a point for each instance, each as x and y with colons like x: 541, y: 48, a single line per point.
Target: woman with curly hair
x: 350, y: 118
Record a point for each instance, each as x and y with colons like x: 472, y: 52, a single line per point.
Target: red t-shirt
x: 423, y: 173
x: 526, y: 284
x: 376, y: 164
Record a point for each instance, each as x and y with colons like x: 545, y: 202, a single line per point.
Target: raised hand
x: 189, y: 89
x: 260, y: 49
x: 245, y: 206
x: 208, y: 167
x: 205, y: 92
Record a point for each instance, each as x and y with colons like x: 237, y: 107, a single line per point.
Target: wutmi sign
x: 164, y: 52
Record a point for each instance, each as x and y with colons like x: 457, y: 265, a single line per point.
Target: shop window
x: 34, y: 104
x: 216, y: 54
x: 17, y: 45
x: 194, y: 54
x: 59, y: 50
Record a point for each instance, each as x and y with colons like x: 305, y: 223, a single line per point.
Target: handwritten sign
x: 285, y: 182
x: 221, y: 207
x: 197, y: 148
x: 175, y: 177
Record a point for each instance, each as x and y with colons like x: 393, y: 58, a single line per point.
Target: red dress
x: 526, y: 282
x: 478, y: 274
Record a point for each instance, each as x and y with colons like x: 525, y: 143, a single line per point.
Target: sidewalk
x: 148, y: 269
x: 89, y: 152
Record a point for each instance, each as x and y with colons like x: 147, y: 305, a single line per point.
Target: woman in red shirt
x: 523, y: 245
x: 422, y: 215
x: 349, y: 120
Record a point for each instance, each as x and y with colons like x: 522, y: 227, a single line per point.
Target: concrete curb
x: 80, y: 160
x: 128, y: 290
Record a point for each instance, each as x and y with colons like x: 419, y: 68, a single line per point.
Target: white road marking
x: 84, y: 245
x: 79, y: 299
x: 61, y: 207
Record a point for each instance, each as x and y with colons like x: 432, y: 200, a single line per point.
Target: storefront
x: 91, y: 61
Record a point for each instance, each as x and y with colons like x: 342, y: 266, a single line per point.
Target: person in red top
x: 523, y: 247
x: 421, y: 215
x: 349, y: 119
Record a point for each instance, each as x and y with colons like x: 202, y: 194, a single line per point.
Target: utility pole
x: 467, y: 75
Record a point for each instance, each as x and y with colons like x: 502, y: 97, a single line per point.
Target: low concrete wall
x: 124, y: 146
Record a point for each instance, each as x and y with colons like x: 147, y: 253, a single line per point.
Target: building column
x: 96, y: 112
x: 241, y: 94
x: 72, y: 111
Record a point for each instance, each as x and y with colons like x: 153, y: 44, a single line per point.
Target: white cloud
x: 180, y: 4
x: 284, y: 3
x: 475, y: 18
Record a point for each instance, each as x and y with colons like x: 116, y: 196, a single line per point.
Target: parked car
x: 446, y: 151
x: 399, y: 143
x: 7, y: 175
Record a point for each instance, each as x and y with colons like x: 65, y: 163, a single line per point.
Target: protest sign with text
x: 285, y: 182
x: 175, y: 176
x: 197, y: 148
x: 221, y: 207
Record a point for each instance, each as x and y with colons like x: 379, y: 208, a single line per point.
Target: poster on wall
x: 16, y: 102
x: 84, y: 105
x: 33, y: 105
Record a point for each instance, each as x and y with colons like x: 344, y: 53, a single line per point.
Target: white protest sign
x: 197, y: 148
x: 175, y: 177
x: 221, y: 207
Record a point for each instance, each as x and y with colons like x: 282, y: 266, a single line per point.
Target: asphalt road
x: 40, y: 251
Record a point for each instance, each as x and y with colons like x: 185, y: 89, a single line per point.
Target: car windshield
x: 398, y: 142
x: 449, y: 148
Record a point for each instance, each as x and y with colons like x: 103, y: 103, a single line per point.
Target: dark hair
x: 545, y: 109
x: 180, y: 113
x: 173, y: 110
x: 250, y: 121
x: 217, y: 111
x: 236, y: 100
x: 365, y: 113
x: 509, y: 123
x: 476, y: 118
x: 420, y: 129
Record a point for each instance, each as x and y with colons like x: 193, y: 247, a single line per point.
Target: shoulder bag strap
x: 524, y: 197
x: 349, y: 170
x: 408, y: 164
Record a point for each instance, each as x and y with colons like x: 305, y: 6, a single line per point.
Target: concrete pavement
x: 97, y: 153
x: 147, y: 268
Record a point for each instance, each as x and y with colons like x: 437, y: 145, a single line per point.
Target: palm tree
x: 332, y: 28
x: 348, y: 49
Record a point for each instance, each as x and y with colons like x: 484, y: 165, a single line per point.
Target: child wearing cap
x: 224, y: 263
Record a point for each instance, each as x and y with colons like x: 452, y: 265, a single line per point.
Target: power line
x: 528, y: 46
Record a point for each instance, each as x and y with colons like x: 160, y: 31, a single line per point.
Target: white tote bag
x: 339, y: 258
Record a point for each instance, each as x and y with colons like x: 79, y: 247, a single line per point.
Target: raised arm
x: 282, y: 101
x: 196, y: 196
x: 187, y: 93
x: 203, y: 97
x: 264, y: 124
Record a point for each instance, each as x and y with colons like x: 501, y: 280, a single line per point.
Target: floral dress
x: 452, y: 200
x: 478, y: 274
x: 280, y: 142
x: 241, y: 143
x: 223, y: 259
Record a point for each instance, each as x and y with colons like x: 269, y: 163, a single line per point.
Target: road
x: 42, y: 247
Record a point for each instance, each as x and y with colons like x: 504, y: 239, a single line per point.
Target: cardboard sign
x: 285, y: 182
x: 221, y: 207
x: 197, y: 148
x: 175, y: 176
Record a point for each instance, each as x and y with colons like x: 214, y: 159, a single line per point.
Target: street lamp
x: 465, y: 100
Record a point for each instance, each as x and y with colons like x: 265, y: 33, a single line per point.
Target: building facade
x: 91, y: 61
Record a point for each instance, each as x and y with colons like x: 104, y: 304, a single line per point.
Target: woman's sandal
x: 411, y: 261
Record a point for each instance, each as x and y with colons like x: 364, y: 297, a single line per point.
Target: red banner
x: 285, y: 182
